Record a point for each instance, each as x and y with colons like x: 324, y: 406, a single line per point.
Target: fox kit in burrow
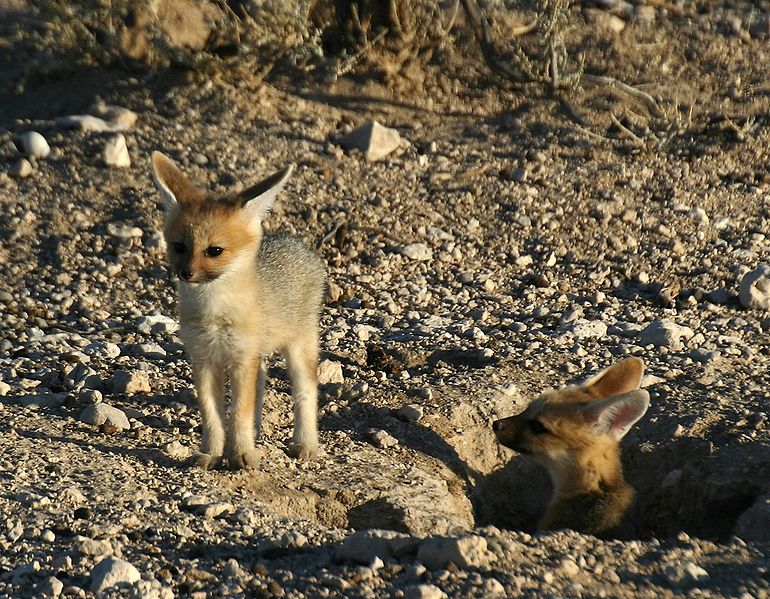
x: 575, y: 433
x: 242, y: 296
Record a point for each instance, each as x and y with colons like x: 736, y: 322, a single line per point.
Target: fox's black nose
x: 497, y: 425
x: 186, y: 274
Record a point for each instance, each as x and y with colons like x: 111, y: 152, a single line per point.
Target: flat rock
x: 464, y: 552
x: 50, y: 587
x: 110, y: 572
x: 424, y: 591
x: 134, y: 381
x: 88, y: 546
x: 86, y: 122
x: 157, y: 323
x: 119, y: 117
x: 755, y: 288
x: 45, y: 400
x: 374, y: 140
x: 415, y: 251
x: 381, y: 438
x: 363, y: 546
x: 586, y: 329
x: 410, y: 413
x: 665, y: 333
x: 101, y: 413
x: 330, y: 372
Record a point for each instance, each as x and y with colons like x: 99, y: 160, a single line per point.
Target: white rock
x: 214, y: 510
x: 4, y: 388
x: 569, y: 568
x: 464, y: 552
x: 686, y: 574
x: 110, y: 572
x: 88, y: 546
x: 51, y: 587
x: 118, y: 117
x: 33, y: 145
x: 102, y: 349
x: 493, y: 588
x: 755, y: 288
x: 176, y: 450
x: 374, y: 140
x: 330, y: 372
x: 45, y: 400
x: 364, y: 331
x: 410, y: 413
x: 86, y: 122
x: 116, y: 152
x: 381, y: 438
x: 21, y: 169
x: 48, y: 536
x: 157, y: 323
x: 232, y: 569
x: 415, y: 251
x: 424, y: 591
x: 665, y: 333
x: 363, y: 546
x: 102, y: 413
x: 135, y: 381
x: 585, y: 329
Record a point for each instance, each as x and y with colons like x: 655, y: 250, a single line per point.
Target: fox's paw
x: 207, y: 461
x: 244, y: 460
x: 303, y: 451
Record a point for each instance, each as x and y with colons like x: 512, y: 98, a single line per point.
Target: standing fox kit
x: 242, y: 296
x: 575, y: 433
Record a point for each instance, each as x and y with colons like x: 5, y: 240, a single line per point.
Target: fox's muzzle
x: 506, y: 434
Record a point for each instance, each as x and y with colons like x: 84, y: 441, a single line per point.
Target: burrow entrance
x: 686, y: 486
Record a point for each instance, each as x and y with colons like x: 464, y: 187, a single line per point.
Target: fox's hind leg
x: 302, y: 361
x: 261, y: 376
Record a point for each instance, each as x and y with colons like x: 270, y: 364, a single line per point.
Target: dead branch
x: 626, y: 131
x: 645, y: 98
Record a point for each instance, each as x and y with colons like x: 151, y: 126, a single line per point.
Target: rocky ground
x: 503, y: 247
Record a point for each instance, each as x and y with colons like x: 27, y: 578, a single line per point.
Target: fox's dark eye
x: 536, y: 427
x: 179, y: 248
x: 214, y: 251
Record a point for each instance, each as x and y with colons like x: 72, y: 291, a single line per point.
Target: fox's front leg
x: 302, y: 360
x: 210, y: 387
x: 240, y: 449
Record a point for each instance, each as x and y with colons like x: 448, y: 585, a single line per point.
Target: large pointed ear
x: 615, y: 416
x: 171, y: 182
x: 619, y: 378
x: 258, y: 199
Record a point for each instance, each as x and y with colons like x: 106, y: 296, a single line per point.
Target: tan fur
x: 254, y: 296
x: 575, y: 432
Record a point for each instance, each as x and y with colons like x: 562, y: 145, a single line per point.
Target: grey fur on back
x: 293, y: 278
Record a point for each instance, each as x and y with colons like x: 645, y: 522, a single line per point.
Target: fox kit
x: 575, y: 433
x: 242, y: 296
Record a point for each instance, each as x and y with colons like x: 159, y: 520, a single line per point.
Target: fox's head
x: 562, y: 428
x: 207, y: 235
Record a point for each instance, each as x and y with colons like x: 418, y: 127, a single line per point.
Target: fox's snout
x: 506, y: 433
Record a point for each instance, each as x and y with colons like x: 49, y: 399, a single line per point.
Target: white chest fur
x: 218, y: 321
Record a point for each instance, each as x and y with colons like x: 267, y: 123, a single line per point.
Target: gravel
x: 500, y: 250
